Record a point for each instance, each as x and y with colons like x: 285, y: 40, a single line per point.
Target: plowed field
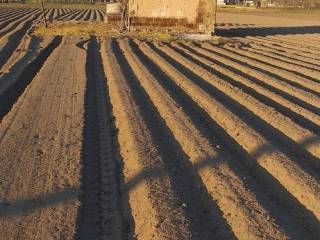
x: 117, y: 138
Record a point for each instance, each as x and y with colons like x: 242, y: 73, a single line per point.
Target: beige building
x: 196, y: 14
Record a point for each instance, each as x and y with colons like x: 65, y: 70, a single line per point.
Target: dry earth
x: 104, y: 138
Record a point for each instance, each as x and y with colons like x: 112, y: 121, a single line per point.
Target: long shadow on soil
x: 266, y: 31
x: 101, y: 175
x: 27, y: 206
x: 266, y: 62
x: 14, y: 91
x: 279, y: 139
x: 205, y: 217
x: 293, y: 214
x: 14, y: 41
x: 267, y: 72
x: 299, y: 119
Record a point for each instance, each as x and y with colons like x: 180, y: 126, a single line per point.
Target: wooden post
x: 215, y: 17
x: 44, y: 15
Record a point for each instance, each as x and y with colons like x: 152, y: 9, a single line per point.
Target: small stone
x: 40, y: 152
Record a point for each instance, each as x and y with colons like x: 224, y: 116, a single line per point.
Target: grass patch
x: 99, y: 29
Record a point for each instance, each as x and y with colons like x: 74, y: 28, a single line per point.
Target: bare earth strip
x: 40, y: 152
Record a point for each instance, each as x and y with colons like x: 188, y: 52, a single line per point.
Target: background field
x: 145, y: 136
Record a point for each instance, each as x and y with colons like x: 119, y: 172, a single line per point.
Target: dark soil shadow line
x: 277, y: 193
x: 27, y: 206
x: 270, y: 64
x: 12, y: 93
x: 299, y: 119
x: 280, y: 92
x: 101, y: 173
x: 14, y: 41
x: 260, y: 69
x: 283, y: 51
x: 291, y: 46
x: 14, y: 24
x: 276, y: 137
x: 13, y: 18
x: 206, y: 220
x: 266, y: 31
x: 281, y: 58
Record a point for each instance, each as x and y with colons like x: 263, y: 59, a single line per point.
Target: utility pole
x: 44, y: 15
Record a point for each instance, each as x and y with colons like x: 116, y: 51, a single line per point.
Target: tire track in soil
x: 286, y: 210
x: 100, y: 213
x: 156, y: 218
x: 185, y: 195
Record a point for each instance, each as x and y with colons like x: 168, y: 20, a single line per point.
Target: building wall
x: 165, y: 9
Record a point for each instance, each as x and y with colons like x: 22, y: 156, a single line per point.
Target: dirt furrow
x: 297, y: 67
x: 289, y: 132
x: 66, y: 15
x: 294, y: 111
x: 306, y: 78
x: 100, y: 215
x: 40, y: 193
x: 13, y: 84
x: 51, y: 14
x: 11, y: 26
x: 284, y: 76
x: 290, y: 46
x: 11, y: 40
x: 147, y: 178
x: 7, y: 12
x: 56, y: 14
x: 282, y: 48
x: 13, y: 14
x: 93, y: 15
x: 86, y: 17
x: 283, y: 58
x: 307, y: 99
x: 298, y: 45
x: 281, y: 52
x: 25, y: 15
x: 219, y: 179
x: 300, y: 184
x: 100, y: 15
x: 80, y: 16
x: 279, y: 209
x: 303, y: 42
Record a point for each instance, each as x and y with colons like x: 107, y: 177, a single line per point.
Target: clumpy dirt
x: 109, y: 138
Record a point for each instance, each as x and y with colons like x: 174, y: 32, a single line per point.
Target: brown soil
x: 109, y: 138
